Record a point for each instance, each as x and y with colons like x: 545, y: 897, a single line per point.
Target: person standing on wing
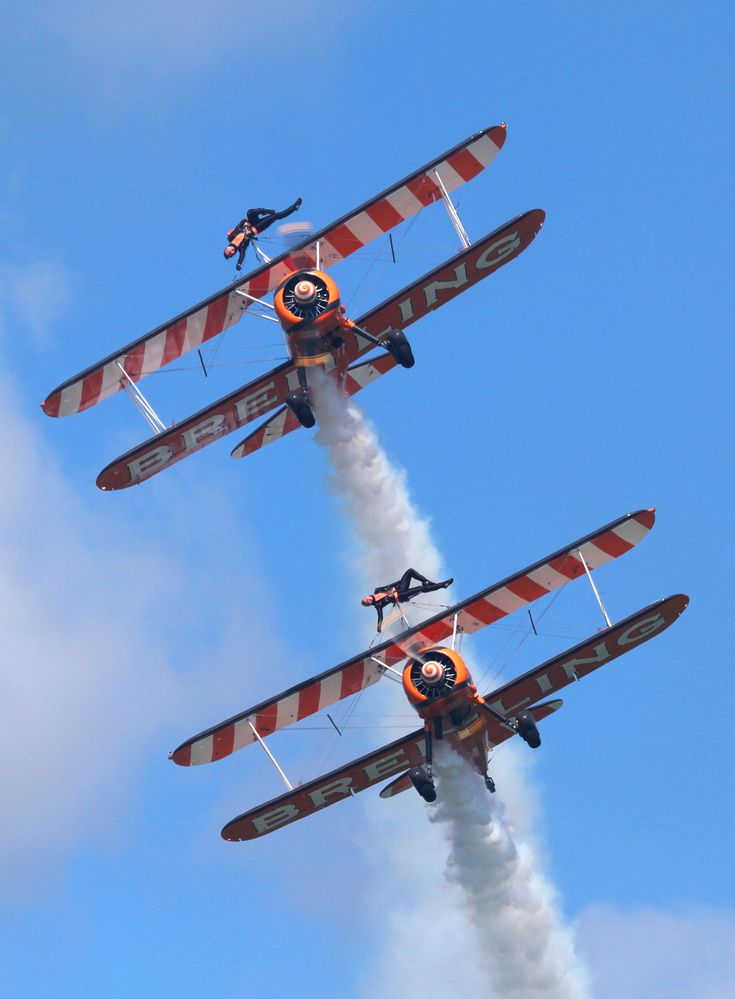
x: 401, y: 591
x: 255, y: 222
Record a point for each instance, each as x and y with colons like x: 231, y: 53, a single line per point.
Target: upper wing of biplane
x: 507, y: 701
x: 469, y: 615
x: 217, y: 313
x: 267, y: 392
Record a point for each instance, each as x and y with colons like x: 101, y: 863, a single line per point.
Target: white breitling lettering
x: 387, y: 766
x: 497, y: 251
x: 149, y: 463
x: 275, y: 818
x: 257, y: 402
x: 644, y: 628
x: 339, y: 788
x: 211, y: 427
x: 430, y: 291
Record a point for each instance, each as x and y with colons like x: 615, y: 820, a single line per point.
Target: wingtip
x: 499, y: 134
x: 50, y: 405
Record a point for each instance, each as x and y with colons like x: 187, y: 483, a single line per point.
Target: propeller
x: 433, y: 675
x: 306, y: 296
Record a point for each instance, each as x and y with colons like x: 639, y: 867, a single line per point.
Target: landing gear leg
x: 422, y: 777
x: 298, y: 402
x: 395, y: 343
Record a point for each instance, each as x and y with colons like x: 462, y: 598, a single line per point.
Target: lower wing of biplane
x: 471, y: 724
x: 269, y: 391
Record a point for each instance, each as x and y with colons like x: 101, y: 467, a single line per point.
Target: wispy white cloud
x: 652, y: 954
x: 36, y: 294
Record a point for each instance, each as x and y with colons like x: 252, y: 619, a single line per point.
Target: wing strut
x: 271, y: 757
x: 453, y: 213
x: 608, y: 622
x: 140, y: 402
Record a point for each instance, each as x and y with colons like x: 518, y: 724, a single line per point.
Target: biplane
x: 438, y: 684
x: 306, y: 303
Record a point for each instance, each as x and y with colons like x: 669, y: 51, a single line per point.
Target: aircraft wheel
x: 423, y: 783
x: 400, y: 348
x: 490, y: 785
x: 301, y: 409
x: 528, y: 730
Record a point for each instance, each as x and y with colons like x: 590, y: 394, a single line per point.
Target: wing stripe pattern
x: 474, y: 613
x: 285, y: 709
x: 216, y: 314
x: 537, y: 581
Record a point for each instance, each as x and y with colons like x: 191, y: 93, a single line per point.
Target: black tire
x: 490, y: 785
x: 423, y: 783
x: 528, y: 730
x: 301, y: 409
x: 400, y: 348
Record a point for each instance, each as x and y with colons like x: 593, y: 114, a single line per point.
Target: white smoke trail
x: 392, y: 533
x: 523, y: 946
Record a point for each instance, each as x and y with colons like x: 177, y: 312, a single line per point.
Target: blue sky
x: 587, y: 379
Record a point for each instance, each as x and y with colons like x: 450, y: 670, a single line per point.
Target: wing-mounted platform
x: 207, y: 319
x: 269, y: 391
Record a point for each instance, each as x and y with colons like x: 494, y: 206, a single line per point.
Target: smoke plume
x: 524, y: 951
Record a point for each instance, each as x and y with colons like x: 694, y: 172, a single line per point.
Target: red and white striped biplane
x: 439, y: 686
x: 306, y: 303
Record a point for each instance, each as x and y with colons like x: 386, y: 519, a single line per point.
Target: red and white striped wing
x: 207, y: 319
x: 284, y: 421
x: 364, y: 669
x: 291, y: 706
x: 524, y: 587
x: 256, y: 398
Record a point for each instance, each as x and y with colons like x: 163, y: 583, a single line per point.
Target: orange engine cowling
x: 434, y: 675
x: 307, y: 303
